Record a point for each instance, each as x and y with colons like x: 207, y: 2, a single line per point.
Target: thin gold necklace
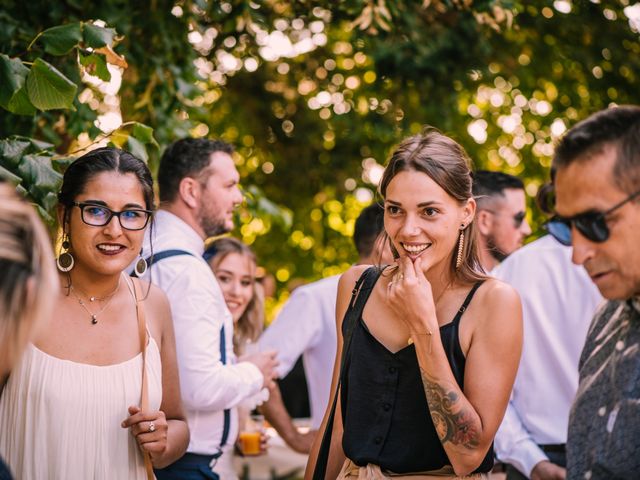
x: 108, y: 298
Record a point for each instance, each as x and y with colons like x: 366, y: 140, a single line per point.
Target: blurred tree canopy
x: 315, y: 94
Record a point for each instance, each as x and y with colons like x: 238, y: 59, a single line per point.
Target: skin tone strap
x: 142, y: 333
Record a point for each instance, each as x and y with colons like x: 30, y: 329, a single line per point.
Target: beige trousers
x: 373, y: 472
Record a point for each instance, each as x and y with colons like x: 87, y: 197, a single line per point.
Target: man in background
x: 558, y: 302
x: 500, y: 216
x: 199, y: 191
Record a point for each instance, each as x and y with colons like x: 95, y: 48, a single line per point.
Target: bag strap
x: 359, y: 297
x: 142, y: 333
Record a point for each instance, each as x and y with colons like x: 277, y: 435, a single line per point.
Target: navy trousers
x: 190, y: 467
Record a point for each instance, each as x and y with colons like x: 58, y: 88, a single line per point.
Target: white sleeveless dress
x: 60, y: 420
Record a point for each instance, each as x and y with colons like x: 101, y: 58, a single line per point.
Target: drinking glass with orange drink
x: 251, y: 435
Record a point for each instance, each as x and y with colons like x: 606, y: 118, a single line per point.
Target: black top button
x: 386, y: 407
x: 392, y: 369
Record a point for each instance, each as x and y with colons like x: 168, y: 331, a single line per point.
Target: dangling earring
x: 65, y: 260
x: 141, y: 266
x: 460, y: 248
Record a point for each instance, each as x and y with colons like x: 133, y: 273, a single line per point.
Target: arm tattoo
x: 453, y: 421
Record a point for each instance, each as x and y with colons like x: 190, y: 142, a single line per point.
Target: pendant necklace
x: 107, y: 299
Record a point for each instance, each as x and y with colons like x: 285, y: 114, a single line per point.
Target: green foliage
x: 62, y: 39
x: 33, y: 165
x: 28, y: 162
x: 48, y: 89
x: 13, y: 95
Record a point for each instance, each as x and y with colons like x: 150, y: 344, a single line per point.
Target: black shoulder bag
x: 359, y: 297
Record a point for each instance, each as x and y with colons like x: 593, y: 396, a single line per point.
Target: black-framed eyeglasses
x: 593, y: 225
x: 99, y: 216
x: 518, y: 218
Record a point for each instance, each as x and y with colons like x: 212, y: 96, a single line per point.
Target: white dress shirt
x: 198, y: 308
x: 306, y: 326
x: 558, y: 301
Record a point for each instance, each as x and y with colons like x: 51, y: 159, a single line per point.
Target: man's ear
x: 190, y: 191
x: 484, y: 222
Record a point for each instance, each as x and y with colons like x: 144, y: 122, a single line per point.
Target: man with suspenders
x: 199, y: 190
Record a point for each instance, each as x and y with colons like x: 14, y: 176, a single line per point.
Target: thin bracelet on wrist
x: 427, y: 333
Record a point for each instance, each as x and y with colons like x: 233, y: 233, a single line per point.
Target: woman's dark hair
x: 447, y: 164
x: 106, y: 159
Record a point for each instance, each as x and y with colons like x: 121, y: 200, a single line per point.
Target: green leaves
x: 133, y: 137
x: 96, y: 65
x: 49, y: 89
x: 13, y: 96
x: 28, y: 164
x: 62, y: 39
x: 96, y: 37
x: 44, y: 87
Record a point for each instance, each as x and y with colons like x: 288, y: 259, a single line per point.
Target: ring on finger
x: 152, y: 427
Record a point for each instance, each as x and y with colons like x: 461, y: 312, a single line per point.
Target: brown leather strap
x: 142, y: 333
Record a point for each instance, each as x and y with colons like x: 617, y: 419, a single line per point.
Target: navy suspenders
x: 227, y: 412
x: 156, y: 257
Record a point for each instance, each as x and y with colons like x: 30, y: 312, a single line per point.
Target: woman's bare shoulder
x: 498, y: 305
x: 494, y: 291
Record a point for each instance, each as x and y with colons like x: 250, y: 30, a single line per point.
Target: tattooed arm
x: 467, y: 419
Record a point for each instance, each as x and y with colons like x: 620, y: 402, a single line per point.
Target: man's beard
x: 212, y: 227
x: 494, y: 250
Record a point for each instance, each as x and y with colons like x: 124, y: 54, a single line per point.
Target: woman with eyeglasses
x: 431, y: 345
x: 96, y: 395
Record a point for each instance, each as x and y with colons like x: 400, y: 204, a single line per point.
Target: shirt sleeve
x: 514, y: 445
x: 199, y: 312
x: 296, y: 329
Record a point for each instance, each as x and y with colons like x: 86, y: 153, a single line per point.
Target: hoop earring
x: 65, y: 261
x: 141, y: 266
x: 460, y: 248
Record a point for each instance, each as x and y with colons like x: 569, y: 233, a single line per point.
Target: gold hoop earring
x: 460, y: 248
x: 65, y: 261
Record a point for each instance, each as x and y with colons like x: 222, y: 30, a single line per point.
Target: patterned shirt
x: 604, y: 427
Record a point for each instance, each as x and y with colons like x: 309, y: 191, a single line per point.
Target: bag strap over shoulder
x: 142, y: 334
x: 359, y: 297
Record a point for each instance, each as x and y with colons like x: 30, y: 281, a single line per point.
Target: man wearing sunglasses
x: 597, y: 187
x: 500, y: 216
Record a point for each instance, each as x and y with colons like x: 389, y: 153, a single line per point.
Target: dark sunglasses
x: 592, y: 225
x: 518, y: 218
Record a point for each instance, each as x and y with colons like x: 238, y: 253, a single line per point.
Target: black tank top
x: 384, y: 409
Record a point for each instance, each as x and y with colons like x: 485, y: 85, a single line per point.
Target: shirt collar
x: 177, y: 227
